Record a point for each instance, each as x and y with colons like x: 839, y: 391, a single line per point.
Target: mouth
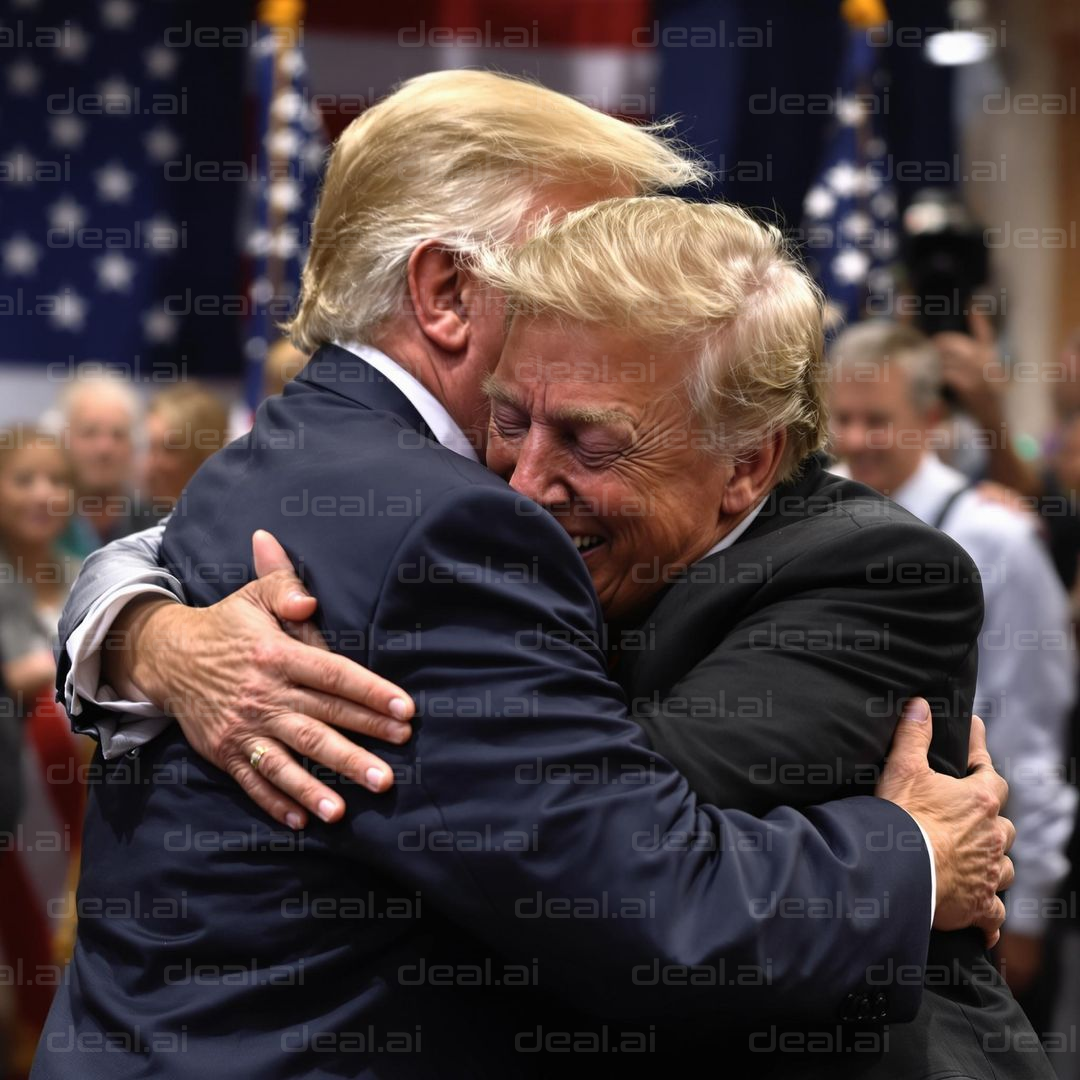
x: 588, y: 545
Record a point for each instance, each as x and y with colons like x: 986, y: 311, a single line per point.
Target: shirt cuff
x: 933, y: 868
x: 83, y: 681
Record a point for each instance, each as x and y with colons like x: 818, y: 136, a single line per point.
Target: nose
x: 536, y: 474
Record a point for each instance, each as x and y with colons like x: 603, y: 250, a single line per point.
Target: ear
x: 436, y: 284
x: 755, y: 475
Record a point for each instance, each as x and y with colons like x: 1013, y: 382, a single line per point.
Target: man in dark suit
x: 513, y: 825
x: 771, y: 669
x: 824, y: 599
x: 819, y: 591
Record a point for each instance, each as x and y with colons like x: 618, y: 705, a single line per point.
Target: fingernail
x: 374, y: 778
x: 914, y: 712
x: 295, y: 597
x: 326, y: 809
x: 399, y: 708
x: 294, y: 821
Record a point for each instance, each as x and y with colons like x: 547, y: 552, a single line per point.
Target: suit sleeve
x: 534, y: 813
x: 799, y: 702
x: 109, y: 579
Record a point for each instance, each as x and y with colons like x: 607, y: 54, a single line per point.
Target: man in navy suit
x: 504, y: 866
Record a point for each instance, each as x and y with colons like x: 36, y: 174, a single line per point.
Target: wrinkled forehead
x: 597, y: 373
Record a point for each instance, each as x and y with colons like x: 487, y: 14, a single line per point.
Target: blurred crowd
x: 104, y: 462
x: 922, y: 419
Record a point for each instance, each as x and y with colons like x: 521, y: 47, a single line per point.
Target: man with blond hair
x: 526, y: 796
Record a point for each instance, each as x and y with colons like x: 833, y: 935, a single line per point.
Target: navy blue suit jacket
x: 534, y: 852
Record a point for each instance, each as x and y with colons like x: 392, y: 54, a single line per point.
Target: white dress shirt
x: 1027, y: 678
x: 738, y: 530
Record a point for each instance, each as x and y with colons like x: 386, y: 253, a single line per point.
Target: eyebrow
x: 568, y: 414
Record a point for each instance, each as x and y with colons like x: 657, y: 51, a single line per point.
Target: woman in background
x: 43, y: 803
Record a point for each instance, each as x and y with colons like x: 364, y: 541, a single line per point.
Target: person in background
x: 1063, y: 491
x: 973, y: 372
x: 184, y: 426
x: 43, y: 809
x: 886, y: 403
x: 100, y: 413
x: 1064, y: 484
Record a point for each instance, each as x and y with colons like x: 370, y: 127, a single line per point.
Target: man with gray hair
x: 886, y: 413
x: 99, y: 414
x: 530, y: 818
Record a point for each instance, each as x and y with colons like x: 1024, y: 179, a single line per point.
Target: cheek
x: 628, y: 513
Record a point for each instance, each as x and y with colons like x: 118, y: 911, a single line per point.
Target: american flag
x: 137, y: 132
x: 90, y: 109
x: 124, y: 170
x: 850, y: 210
x: 290, y: 154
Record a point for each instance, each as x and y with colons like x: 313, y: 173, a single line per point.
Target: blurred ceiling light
x: 950, y: 48
x: 961, y: 44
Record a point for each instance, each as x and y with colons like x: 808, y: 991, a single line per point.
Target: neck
x: 403, y: 349
x: 436, y: 371
x: 730, y: 523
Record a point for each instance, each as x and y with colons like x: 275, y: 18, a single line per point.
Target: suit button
x: 881, y: 1006
x: 865, y: 1009
x: 850, y: 1008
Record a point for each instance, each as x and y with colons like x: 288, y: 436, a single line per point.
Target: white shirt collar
x: 928, y: 488
x: 431, y: 409
x: 737, y: 531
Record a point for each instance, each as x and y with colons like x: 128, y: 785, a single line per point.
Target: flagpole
x: 283, y: 19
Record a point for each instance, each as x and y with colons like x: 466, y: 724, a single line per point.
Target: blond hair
x: 701, y: 275
x: 457, y: 156
x: 879, y: 343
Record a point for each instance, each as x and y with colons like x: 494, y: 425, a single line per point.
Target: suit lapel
x: 341, y: 372
x: 695, y: 612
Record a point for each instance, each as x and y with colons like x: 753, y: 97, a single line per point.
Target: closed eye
x: 596, y: 450
x: 508, y: 422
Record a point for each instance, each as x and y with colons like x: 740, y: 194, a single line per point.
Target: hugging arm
x: 536, y: 815
x: 220, y: 651
x: 111, y: 579
x: 799, y: 701
x: 131, y: 658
